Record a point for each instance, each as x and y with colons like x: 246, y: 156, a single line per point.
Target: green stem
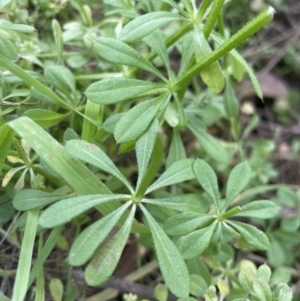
x: 252, y: 27
x: 212, y: 17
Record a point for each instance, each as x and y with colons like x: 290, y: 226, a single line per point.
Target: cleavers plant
x: 139, y: 101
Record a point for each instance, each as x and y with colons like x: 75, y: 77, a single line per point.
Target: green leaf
x: 45, y: 252
x: 262, y: 290
x: 44, y: 118
x: 57, y: 32
x: 198, y: 285
x: 259, y: 209
x: 177, y: 150
x: 118, y: 52
x: 185, y: 202
x: 90, y: 238
x: 238, y: 69
x: 64, y: 210
x: 211, y: 145
x: 29, y: 199
x: 231, y: 103
x: 94, y: 111
x: 172, y: 266
x: 212, y: 75
x: 252, y: 235
x: 107, y: 258
x: 6, y: 139
x: 110, y: 123
x: 6, y: 25
x: 56, y: 288
x: 60, y: 78
x: 8, y: 49
x: 250, y: 72
x: 30, y: 80
x: 143, y: 149
x: 178, y: 172
x: 185, y: 223
x: 156, y: 41
x: 290, y: 223
x: 143, y: 25
x: 92, y: 154
x: 238, y: 179
x: 245, y: 282
x: 136, y: 121
x: 207, y: 179
x: 55, y: 155
x: 195, y: 243
x: 187, y: 53
x: 279, y: 275
x: 283, y: 292
x: 113, y: 90
x: 26, y: 255
x: 264, y: 273
x: 161, y: 292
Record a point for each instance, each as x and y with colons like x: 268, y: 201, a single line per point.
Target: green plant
x: 140, y: 101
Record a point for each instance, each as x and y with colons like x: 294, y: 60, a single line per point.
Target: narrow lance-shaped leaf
x: 118, y: 52
x: 172, y: 266
x: 90, y: 238
x: 208, y: 180
x: 8, y: 49
x: 135, y: 122
x: 57, y: 32
x: 195, y: 243
x: 22, y: 276
x: 60, y: 78
x: 252, y: 235
x: 113, y: 90
x: 6, y: 138
x: 6, y: 25
x: 92, y: 154
x: 179, y: 172
x: 29, y: 199
x: 44, y: 253
x: 156, y: 42
x: 211, y: 145
x: 177, y: 150
x: 143, y: 149
x: 230, y: 101
x: 185, y: 202
x: 259, y: 209
x: 94, y: 111
x: 187, y: 222
x: 107, y: 258
x: 64, y: 210
x: 45, y: 118
x: 212, y: 75
x: 238, y: 179
x: 55, y: 155
x: 143, y: 25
